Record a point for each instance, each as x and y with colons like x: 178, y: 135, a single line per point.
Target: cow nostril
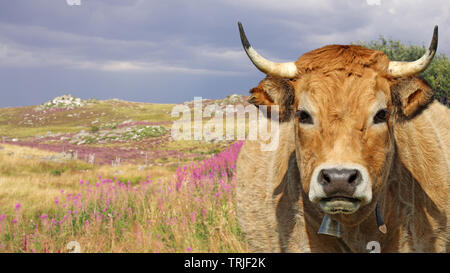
x: 353, y: 177
x: 339, y: 176
x: 339, y: 182
x: 326, y: 177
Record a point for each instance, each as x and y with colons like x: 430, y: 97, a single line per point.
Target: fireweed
x: 192, y: 212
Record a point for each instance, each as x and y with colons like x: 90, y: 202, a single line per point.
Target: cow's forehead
x: 341, y: 81
x: 344, y: 89
x: 345, y: 68
x: 350, y: 58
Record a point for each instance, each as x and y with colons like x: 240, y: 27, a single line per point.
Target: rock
x: 127, y: 121
x: 64, y: 101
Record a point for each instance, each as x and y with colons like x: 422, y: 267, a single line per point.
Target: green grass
x: 108, y: 113
x: 43, y: 167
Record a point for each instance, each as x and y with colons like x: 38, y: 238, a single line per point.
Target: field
x: 106, y: 176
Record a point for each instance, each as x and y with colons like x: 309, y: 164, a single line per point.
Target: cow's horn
x: 284, y: 70
x: 403, y: 69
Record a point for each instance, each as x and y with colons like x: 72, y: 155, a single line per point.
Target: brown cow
x: 361, y: 141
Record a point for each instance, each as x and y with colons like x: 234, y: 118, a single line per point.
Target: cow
x: 363, y: 157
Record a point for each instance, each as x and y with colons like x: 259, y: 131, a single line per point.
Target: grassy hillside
x: 23, y: 122
x: 107, y: 132
x: 108, y: 175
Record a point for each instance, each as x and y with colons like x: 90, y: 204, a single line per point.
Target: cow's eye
x: 380, y: 116
x: 304, y: 117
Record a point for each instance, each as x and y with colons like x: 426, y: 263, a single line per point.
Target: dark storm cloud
x: 171, y: 51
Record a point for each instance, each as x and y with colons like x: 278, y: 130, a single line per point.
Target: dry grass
x: 116, y: 209
x: 28, y: 180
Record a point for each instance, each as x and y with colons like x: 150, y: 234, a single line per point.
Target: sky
x: 170, y: 51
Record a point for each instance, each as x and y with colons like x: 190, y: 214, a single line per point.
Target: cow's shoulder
x: 258, y: 175
x: 423, y: 146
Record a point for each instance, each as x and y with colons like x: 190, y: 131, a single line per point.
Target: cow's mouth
x: 339, y: 204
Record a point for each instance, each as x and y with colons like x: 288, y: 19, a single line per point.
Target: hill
x: 105, y: 132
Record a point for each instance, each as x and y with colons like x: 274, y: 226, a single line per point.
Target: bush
x: 437, y: 74
x: 144, y: 132
x: 94, y: 129
x: 56, y: 172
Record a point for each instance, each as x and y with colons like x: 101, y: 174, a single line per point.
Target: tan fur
x: 408, y: 160
x: 274, y: 91
x: 349, y: 58
x: 256, y: 185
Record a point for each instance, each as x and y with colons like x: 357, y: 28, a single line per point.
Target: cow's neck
x: 396, y: 204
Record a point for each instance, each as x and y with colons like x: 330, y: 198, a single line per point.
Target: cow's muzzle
x: 339, y: 186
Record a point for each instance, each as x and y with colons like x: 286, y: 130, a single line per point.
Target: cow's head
x: 346, y: 100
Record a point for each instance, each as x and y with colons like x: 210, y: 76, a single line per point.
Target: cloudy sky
x: 168, y: 51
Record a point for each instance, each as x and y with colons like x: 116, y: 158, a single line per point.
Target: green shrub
x: 94, y: 128
x: 144, y: 132
x: 56, y: 172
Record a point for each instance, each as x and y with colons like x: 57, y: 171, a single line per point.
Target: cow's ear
x: 274, y: 91
x: 410, y: 96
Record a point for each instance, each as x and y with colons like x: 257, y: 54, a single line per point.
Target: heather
x: 193, y: 210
